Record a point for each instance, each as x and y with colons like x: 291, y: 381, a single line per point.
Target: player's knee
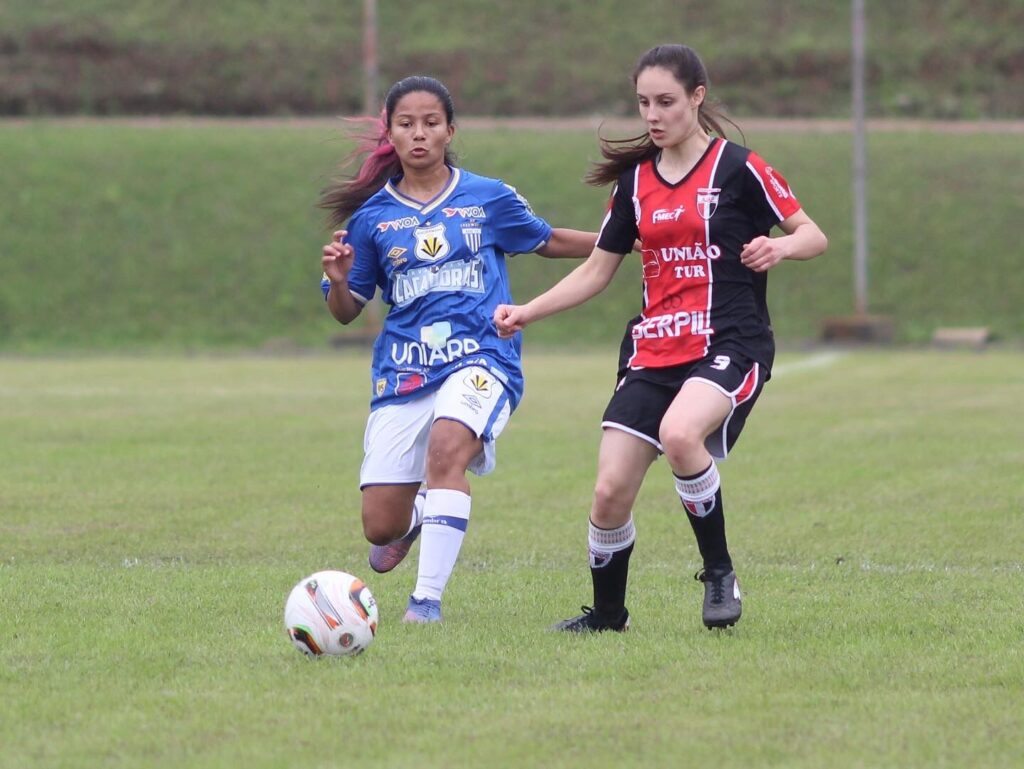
x: 680, y: 442
x: 450, y: 450
x: 379, y: 530
x: 612, y: 504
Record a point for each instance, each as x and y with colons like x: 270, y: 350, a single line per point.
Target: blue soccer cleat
x: 422, y: 611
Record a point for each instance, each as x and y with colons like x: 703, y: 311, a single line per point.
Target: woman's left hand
x: 763, y: 253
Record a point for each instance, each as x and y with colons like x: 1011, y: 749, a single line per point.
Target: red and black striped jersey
x: 697, y: 293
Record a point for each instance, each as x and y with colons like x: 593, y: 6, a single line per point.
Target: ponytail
x: 378, y: 162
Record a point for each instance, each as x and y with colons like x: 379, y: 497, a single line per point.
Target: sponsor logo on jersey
x: 472, y: 402
x: 667, y: 215
x: 781, y: 191
x: 466, y: 212
x: 672, y: 325
x: 652, y: 264
x: 472, y: 233
x: 698, y: 251
x: 707, y: 201
x: 431, y: 243
x: 409, y: 381
x: 436, y: 335
x: 688, y: 271
x: 395, y: 255
x: 480, y: 383
x: 421, y: 354
x: 458, y: 275
x: 399, y: 224
x: 436, y: 345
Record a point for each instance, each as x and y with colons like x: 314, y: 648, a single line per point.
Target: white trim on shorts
x: 721, y: 433
x: 635, y: 433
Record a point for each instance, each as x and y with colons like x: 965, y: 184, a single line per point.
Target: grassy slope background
x: 188, y: 237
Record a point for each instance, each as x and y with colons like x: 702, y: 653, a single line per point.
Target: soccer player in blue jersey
x: 433, y: 238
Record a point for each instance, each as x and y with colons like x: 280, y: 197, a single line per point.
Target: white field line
x: 820, y: 360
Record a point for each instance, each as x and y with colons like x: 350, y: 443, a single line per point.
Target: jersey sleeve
x: 618, y: 230
x: 768, y: 194
x: 363, y: 278
x: 517, y: 230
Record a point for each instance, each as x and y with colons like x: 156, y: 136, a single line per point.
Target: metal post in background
x: 370, y: 68
x: 860, y: 212
x: 860, y: 326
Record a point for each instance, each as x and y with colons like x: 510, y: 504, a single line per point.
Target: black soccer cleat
x: 722, y: 607
x: 592, y: 622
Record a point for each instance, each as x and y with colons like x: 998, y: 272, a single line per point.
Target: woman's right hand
x: 510, y: 319
x: 337, y: 258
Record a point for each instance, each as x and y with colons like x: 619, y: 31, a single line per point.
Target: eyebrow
x: 415, y: 114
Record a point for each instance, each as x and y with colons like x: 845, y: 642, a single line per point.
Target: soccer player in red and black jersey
x: 693, y: 363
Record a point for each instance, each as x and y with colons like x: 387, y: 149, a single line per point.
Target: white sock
x: 698, y: 493
x: 417, y: 512
x: 604, y: 543
x: 445, y: 517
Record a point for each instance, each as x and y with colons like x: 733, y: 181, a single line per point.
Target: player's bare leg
x: 391, y: 522
x: 698, y: 410
x: 623, y: 460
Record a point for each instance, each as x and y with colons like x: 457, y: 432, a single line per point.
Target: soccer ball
x: 331, y: 613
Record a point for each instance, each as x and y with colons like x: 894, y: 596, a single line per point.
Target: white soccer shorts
x: 395, y: 443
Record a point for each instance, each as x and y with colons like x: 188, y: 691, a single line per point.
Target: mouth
x: 418, y: 152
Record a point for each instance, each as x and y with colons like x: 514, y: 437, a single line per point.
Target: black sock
x: 610, y: 584
x: 710, y: 533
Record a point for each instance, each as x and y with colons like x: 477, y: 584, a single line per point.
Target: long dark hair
x: 377, y: 158
x: 622, y: 154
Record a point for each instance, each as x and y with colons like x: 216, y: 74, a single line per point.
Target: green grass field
x: 155, y: 511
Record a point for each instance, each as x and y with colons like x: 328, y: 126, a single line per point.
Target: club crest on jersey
x: 480, y: 383
x: 381, y: 386
x: 472, y: 233
x: 431, y: 243
x: 707, y: 201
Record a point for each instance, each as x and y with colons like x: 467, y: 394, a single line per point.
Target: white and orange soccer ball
x: 331, y: 613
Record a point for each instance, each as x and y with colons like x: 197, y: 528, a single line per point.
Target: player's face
x: 420, y: 130
x: 669, y: 111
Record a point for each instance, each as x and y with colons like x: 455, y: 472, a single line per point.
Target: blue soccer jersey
x: 441, y: 269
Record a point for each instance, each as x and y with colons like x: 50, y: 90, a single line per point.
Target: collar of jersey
x: 434, y: 202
